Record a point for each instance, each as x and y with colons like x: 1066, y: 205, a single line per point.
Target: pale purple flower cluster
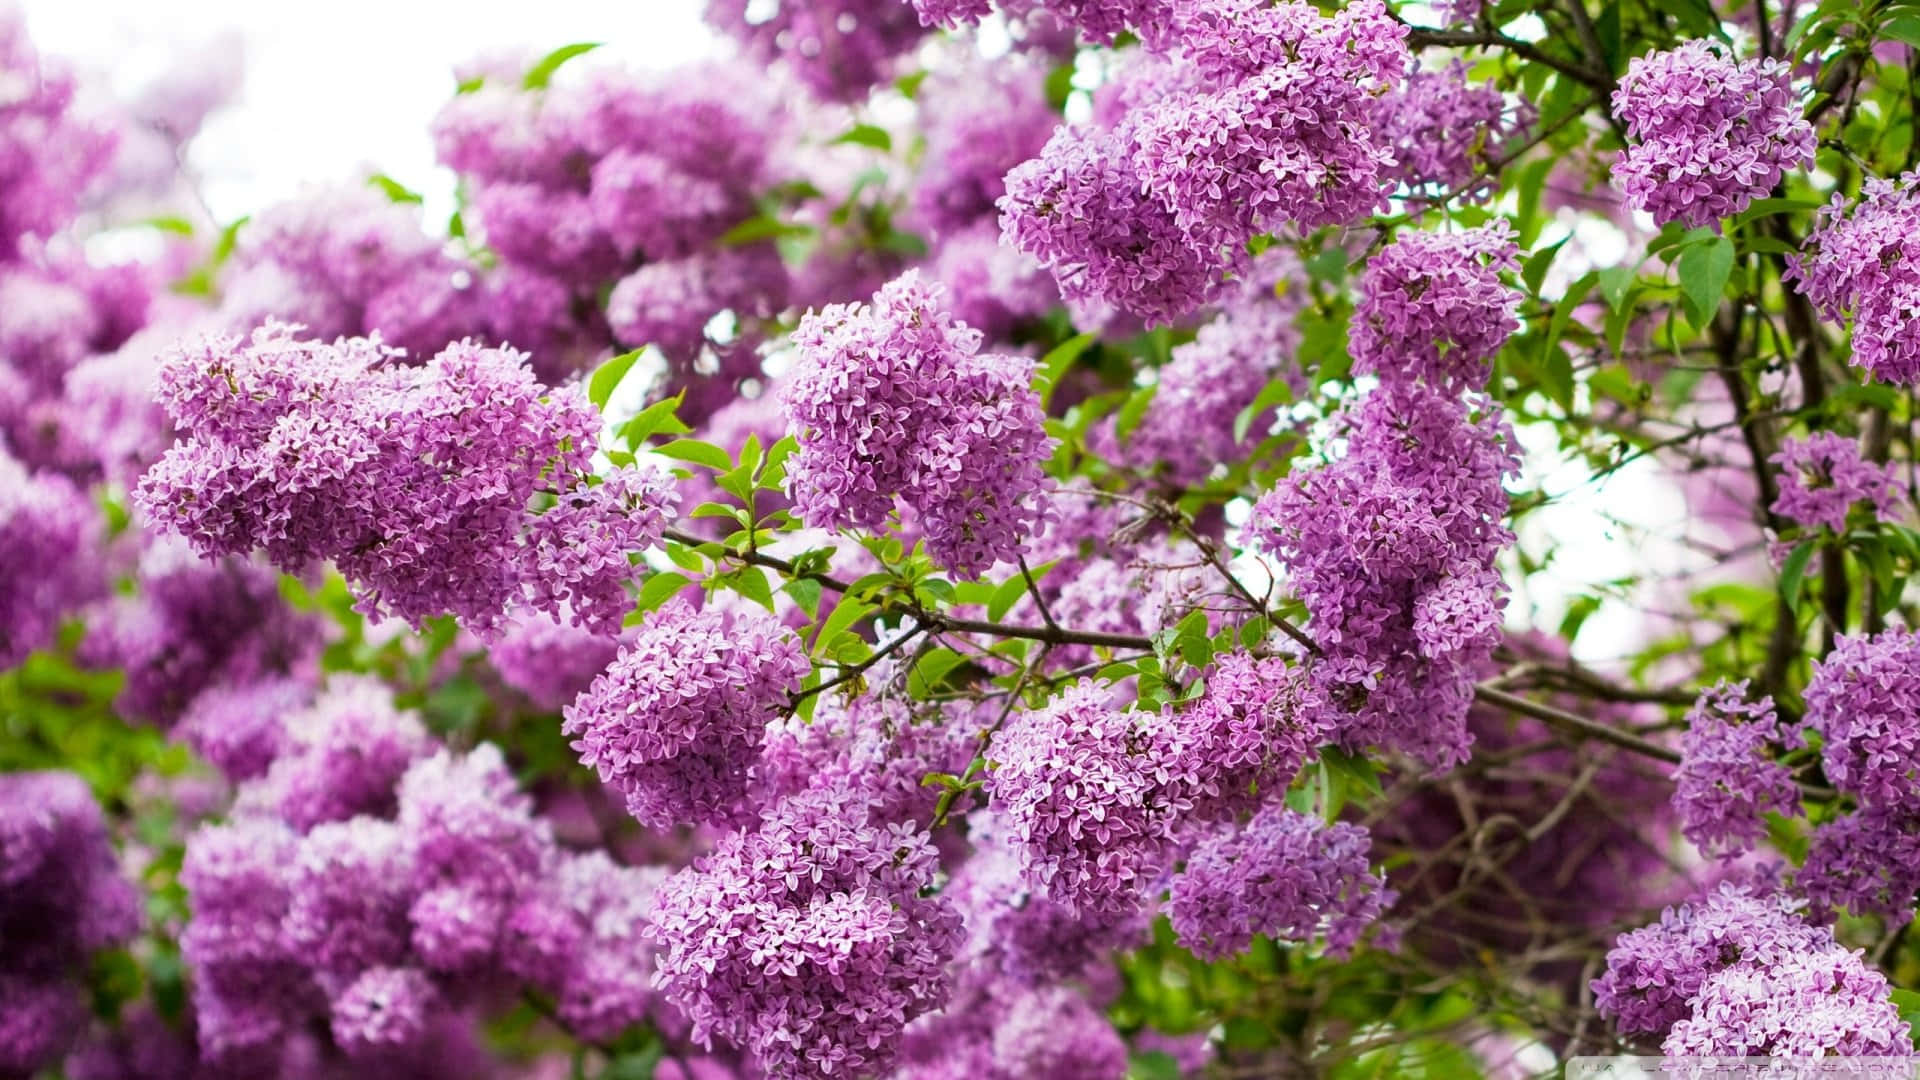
x: 62, y: 898
x: 1447, y: 133
x: 1864, y: 700
x: 839, y: 49
x: 347, y: 261
x: 195, y: 625
x: 1246, y: 737
x: 369, y: 903
x: 1822, y: 478
x: 677, y: 722
x: 1283, y: 875
x: 49, y: 556
x: 1742, y: 974
x: 669, y: 304
x: 1726, y: 781
x: 891, y: 401
x: 578, y: 935
x: 1142, y: 588
x: 1188, y: 428
x: 1263, y: 116
x: 979, y: 122
x: 1082, y: 787
x: 1867, y: 862
x: 1707, y: 133
x: 550, y: 660
x: 1096, y: 20
x: 313, y: 451
x: 1392, y: 550
x: 877, y: 744
x: 994, y: 288
x: 50, y: 151
x: 1856, y: 262
x: 808, y: 940
x: 1432, y: 307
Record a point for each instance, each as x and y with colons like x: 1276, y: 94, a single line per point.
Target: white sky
x: 343, y: 86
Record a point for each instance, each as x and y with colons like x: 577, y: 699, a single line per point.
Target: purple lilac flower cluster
x: 40, y: 190
x: 313, y: 451
x: 890, y: 401
x: 62, y: 898
x: 679, y: 719
x: 1262, y: 115
x: 1392, y: 549
x: 839, y: 49
x: 1433, y: 308
x: 1822, y: 478
x: 979, y: 122
x: 1284, y: 875
x: 1188, y: 427
x: 1742, y: 974
x: 1727, y: 782
x: 1862, y: 700
x: 371, y: 880
x: 1708, y: 133
x: 1855, y: 262
x: 808, y: 940
x: 49, y: 556
x: 1447, y: 133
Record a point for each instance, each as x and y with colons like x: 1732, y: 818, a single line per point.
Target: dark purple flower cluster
x: 1261, y: 115
x: 809, y: 939
x: 890, y: 401
x: 1727, y: 781
x: 49, y: 556
x: 1284, y: 875
x: 1432, y: 307
x: 1708, y: 133
x: 1741, y: 974
x: 678, y: 721
x: 1822, y: 477
x: 62, y: 898
x: 1856, y: 263
x: 313, y: 451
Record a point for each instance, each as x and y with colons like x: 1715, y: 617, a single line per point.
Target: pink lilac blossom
x: 1822, y: 477
x: 1866, y: 862
x: 1856, y: 263
x: 250, y: 984
x: 808, y: 940
x: 49, y: 561
x: 1054, y: 1032
x: 1095, y: 20
x: 313, y: 451
x: 1726, y: 782
x: 1246, y: 737
x: 890, y: 401
x: 62, y: 898
x: 1432, y: 307
x: 671, y: 304
x: 340, y: 756
x: 383, y: 1009
x: 241, y: 727
x: 1284, y: 875
x: 1739, y: 974
x: 1707, y: 134
x: 50, y: 151
x: 880, y: 744
x: 678, y: 720
x: 995, y: 289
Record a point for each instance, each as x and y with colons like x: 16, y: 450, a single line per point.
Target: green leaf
x: 542, y: 72
x: 932, y: 669
x: 866, y: 135
x: 1004, y: 597
x: 1902, y: 28
x: 655, y: 418
x: 1615, y: 281
x: 394, y: 189
x: 660, y: 587
x: 1059, y: 86
x: 170, y: 223
x: 806, y: 593
x: 1133, y: 411
x: 762, y: 227
x: 1535, y: 270
x: 1059, y: 359
x: 1791, y: 573
x: 606, y: 378
x: 700, y: 453
x: 751, y: 582
x: 1908, y: 1002
x: 845, y: 613
x: 1276, y: 392
x: 1704, y: 269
